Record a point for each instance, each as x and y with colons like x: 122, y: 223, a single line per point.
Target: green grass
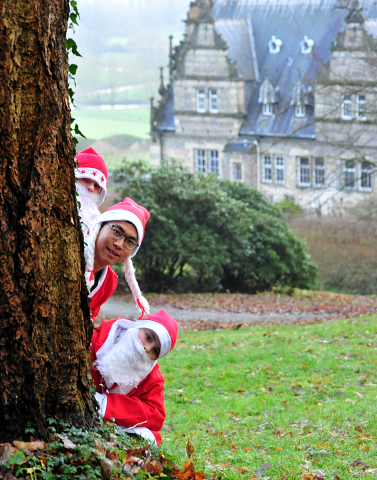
x: 301, y: 398
x: 98, y: 124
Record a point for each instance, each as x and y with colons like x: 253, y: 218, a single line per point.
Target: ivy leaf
x: 73, y: 69
x: 73, y: 17
x: 78, y: 132
x: 70, y: 44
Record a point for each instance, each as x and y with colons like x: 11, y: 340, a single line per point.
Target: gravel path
x: 116, y: 307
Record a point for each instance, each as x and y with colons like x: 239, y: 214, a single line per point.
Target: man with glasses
x: 115, y: 237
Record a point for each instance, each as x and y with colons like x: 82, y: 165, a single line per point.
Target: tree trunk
x: 45, y: 326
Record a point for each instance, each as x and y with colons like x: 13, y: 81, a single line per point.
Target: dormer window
x: 300, y: 110
x: 274, y: 45
x: 307, y: 45
x: 267, y: 97
x: 267, y: 109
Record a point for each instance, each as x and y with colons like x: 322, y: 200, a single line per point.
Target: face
x: 151, y: 342
x: 90, y: 185
x: 109, y: 250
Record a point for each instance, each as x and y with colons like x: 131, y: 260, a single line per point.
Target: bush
x: 207, y: 234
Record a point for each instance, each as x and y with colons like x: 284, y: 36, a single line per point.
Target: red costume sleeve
x: 143, y: 406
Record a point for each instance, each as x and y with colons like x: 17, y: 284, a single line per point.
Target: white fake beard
x: 126, y: 364
x: 89, y: 205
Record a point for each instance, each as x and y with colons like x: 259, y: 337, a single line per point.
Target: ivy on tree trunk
x: 45, y: 325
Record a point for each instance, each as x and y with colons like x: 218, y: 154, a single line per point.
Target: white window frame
x: 274, y: 45
x: 201, y: 100
x: 366, y: 169
x: 200, y: 160
x: 235, y: 176
x: 306, y: 45
x: 267, y: 109
x: 347, y: 107
x: 303, y: 172
x: 319, y: 171
x: 213, y: 162
x: 349, y: 170
x: 279, y: 169
x: 212, y: 99
x: 361, y: 107
x: 267, y: 167
x: 300, y: 110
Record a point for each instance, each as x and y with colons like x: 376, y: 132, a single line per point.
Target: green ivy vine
x: 71, y: 47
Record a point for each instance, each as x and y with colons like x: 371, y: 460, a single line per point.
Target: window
x: 212, y: 94
x: 237, y: 171
x: 347, y: 108
x: 213, y: 163
x: 304, y: 172
x: 274, y: 45
x: 307, y: 45
x: 200, y: 161
x: 366, y: 176
x: 267, y: 169
x: 300, y: 110
x: 279, y: 169
x: 349, y: 175
x: 360, y: 107
x: 319, y: 172
x: 201, y: 101
x: 267, y: 109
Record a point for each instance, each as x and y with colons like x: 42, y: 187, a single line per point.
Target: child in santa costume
x: 91, y: 174
x: 115, y: 237
x: 129, y: 383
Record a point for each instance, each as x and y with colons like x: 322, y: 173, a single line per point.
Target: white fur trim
x: 124, y: 215
x: 95, y: 175
x: 102, y: 400
x: 160, y: 330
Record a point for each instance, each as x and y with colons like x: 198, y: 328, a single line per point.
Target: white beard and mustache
x: 126, y: 364
x: 89, y: 205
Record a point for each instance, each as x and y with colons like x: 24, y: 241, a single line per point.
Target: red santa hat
x: 164, y: 326
x: 128, y: 211
x: 91, y: 165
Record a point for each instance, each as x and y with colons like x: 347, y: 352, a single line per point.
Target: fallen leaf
x: 66, y: 442
x: 30, y: 446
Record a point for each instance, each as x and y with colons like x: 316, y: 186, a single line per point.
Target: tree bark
x: 45, y: 325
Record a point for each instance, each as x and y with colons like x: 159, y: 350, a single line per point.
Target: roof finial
x: 162, y: 89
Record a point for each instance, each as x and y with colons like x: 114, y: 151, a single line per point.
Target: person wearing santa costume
x: 129, y: 383
x: 115, y: 237
x: 91, y: 174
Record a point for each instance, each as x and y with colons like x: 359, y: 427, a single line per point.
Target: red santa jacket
x: 105, y: 288
x: 143, y: 405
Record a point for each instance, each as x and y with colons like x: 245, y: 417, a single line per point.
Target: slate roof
x: 247, y: 26
x: 238, y: 36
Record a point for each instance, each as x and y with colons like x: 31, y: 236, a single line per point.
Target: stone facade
x: 292, y: 115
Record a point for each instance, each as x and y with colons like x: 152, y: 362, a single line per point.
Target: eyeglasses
x: 129, y: 242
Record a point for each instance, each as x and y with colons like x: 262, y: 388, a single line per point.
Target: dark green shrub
x: 207, y: 234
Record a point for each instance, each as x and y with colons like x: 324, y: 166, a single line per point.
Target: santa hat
x: 128, y: 211
x: 91, y: 165
x: 164, y: 326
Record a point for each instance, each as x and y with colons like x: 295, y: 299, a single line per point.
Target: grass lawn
x: 302, y: 399
x: 98, y: 124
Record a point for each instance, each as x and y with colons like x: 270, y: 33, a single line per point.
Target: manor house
x: 280, y: 95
